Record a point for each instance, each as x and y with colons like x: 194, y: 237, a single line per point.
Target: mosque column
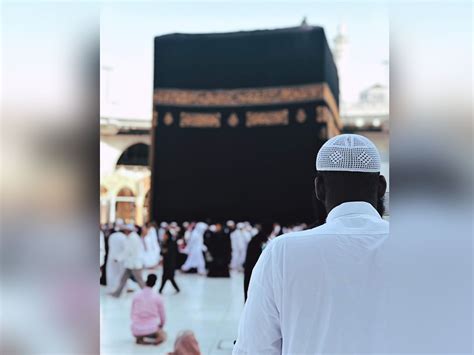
x: 139, y: 206
x: 112, y: 207
x: 104, y: 211
x: 142, y: 187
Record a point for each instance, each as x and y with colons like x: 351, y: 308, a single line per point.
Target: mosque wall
x: 123, y: 188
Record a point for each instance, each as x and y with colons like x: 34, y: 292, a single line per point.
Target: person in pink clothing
x: 148, y: 315
x: 186, y: 344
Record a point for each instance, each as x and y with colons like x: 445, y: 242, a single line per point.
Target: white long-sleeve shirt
x: 318, y: 291
x: 239, y: 240
x: 151, y: 252
x: 116, y: 245
x: 132, y: 254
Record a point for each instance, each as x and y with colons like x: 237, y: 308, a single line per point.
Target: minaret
x: 304, y: 22
x: 340, y: 52
x: 340, y: 43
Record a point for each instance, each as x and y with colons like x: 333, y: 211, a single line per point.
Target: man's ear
x: 382, y: 186
x: 319, y: 188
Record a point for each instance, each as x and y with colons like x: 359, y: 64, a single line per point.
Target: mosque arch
x: 125, y: 206
x: 121, y: 187
x: 136, y: 155
x: 125, y: 192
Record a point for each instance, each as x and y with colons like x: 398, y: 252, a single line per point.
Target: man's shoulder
x: 138, y: 294
x: 329, y: 229
x: 324, y: 233
x: 157, y: 297
x: 312, y: 234
x: 148, y: 293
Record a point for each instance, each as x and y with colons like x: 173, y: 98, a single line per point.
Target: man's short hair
x: 151, y: 280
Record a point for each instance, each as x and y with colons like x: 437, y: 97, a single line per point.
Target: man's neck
x: 330, y: 206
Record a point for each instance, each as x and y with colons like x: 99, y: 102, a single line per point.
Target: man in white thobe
x: 238, y: 239
x: 114, y: 268
x: 132, y: 259
x: 151, y: 248
x: 320, y: 291
x: 194, y: 249
x: 188, y: 231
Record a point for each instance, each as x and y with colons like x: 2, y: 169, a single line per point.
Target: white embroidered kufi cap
x: 348, y: 152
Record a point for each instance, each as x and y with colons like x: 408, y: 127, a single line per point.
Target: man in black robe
x: 254, y: 249
x: 108, y: 230
x: 220, y: 249
x: 169, y: 251
x: 207, y: 240
x: 180, y: 240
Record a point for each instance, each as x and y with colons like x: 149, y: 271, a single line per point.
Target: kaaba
x: 238, y: 119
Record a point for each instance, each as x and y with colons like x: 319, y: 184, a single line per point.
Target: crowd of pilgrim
x: 130, y: 255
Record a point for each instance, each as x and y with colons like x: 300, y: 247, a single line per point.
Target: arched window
x: 137, y: 154
x: 125, y: 205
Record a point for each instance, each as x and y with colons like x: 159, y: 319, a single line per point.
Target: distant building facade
x: 124, y: 171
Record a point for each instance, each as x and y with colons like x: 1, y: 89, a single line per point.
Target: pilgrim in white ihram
x: 114, y: 268
x: 151, y: 248
x: 195, y: 248
x: 239, y: 240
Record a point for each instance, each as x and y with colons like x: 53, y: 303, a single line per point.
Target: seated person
x: 148, y: 315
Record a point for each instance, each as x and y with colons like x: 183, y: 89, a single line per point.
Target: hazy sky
x: 127, y: 32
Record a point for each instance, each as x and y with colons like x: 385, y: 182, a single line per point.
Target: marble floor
x: 210, y: 307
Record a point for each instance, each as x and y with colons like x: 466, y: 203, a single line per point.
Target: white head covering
x: 240, y: 225
x: 201, y: 227
x: 230, y: 223
x: 348, y: 152
x: 213, y: 228
x: 276, y: 229
x: 119, y: 224
x: 174, y: 231
x: 163, y: 224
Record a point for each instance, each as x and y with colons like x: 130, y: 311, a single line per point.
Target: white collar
x: 352, y: 208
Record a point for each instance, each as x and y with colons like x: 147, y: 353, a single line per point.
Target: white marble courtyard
x: 208, y: 306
